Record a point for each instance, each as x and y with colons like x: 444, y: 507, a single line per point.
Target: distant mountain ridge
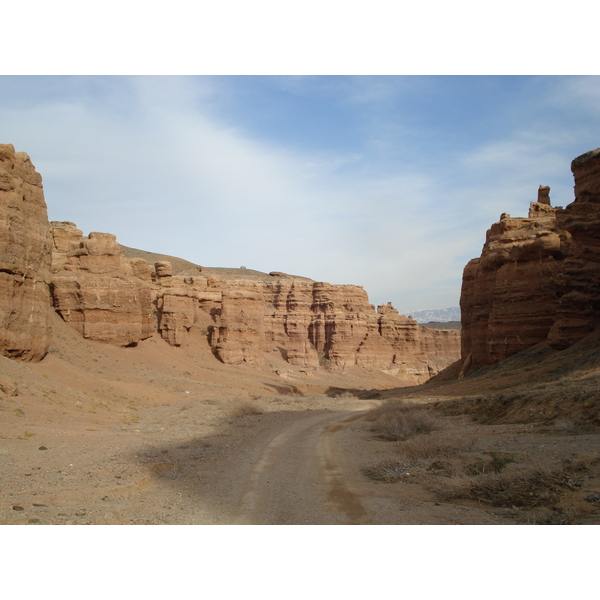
x: 440, y: 315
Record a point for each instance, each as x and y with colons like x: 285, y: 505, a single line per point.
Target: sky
x: 388, y: 182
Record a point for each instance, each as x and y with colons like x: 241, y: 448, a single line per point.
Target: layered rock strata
x: 97, y: 290
x: 578, y: 286
x: 248, y: 318
x: 537, y: 277
x: 113, y: 299
x: 25, y: 256
x: 316, y: 323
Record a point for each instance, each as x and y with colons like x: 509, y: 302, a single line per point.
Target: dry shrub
x: 168, y: 469
x: 552, y: 516
x: 583, y: 463
x: 572, y: 425
x: 444, y: 444
x: 449, y: 468
x: 243, y: 409
x: 527, y: 487
x: 399, y: 420
x: 442, y: 467
x: 391, y: 471
x: 424, y: 450
x: 498, y: 462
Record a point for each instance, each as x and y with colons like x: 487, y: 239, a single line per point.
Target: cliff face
x: 578, y: 310
x: 311, y: 324
x: 108, y: 297
x: 247, y: 317
x: 24, y: 259
x: 94, y: 288
x: 537, y: 277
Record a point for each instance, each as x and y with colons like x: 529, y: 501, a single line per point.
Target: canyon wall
x: 247, y: 320
x: 98, y: 291
x: 538, y: 277
x: 312, y: 324
x: 24, y: 259
x: 247, y: 317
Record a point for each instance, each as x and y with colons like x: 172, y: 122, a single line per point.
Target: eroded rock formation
x: 97, y: 290
x: 248, y: 318
x: 578, y: 310
x: 537, y: 277
x: 110, y: 298
x: 25, y: 255
x: 316, y: 323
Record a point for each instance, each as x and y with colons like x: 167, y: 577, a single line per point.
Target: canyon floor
x: 159, y: 435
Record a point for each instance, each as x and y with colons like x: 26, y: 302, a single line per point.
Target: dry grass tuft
x: 391, y: 471
x: 572, y: 425
x: 428, y: 448
x: 398, y: 420
x: 244, y: 409
x: 168, y: 469
x: 531, y: 486
x: 444, y: 444
x: 552, y: 516
x: 498, y: 462
x: 443, y: 455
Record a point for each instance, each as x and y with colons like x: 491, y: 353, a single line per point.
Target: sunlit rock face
x: 537, y: 277
x: 312, y: 324
x: 25, y: 256
x: 248, y: 319
x: 99, y: 292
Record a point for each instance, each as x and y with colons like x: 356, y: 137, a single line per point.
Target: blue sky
x: 388, y: 182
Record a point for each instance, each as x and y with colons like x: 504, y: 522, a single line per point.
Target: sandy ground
x: 161, y: 435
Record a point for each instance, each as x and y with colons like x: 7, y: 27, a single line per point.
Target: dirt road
x: 281, y: 460
x: 193, y: 463
x: 298, y: 476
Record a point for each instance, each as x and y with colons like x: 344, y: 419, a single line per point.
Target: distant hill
x: 185, y: 267
x: 439, y: 315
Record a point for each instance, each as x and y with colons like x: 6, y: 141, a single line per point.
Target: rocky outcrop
x: 248, y: 317
x: 98, y: 291
x: 113, y: 299
x: 183, y: 302
x: 8, y: 386
x: 537, y: 277
x: 24, y: 259
x: 440, y: 347
x: 578, y: 286
x: 240, y: 335
x: 508, y: 299
x: 316, y: 323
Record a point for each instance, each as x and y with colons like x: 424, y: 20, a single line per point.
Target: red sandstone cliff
x: 248, y: 318
x: 311, y: 324
x: 94, y: 288
x: 111, y: 298
x: 24, y: 259
x: 538, y: 277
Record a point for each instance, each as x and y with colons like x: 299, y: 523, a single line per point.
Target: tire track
x: 339, y: 493
x: 297, y: 477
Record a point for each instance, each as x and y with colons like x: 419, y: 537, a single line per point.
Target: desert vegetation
x: 457, y: 460
x: 401, y: 420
